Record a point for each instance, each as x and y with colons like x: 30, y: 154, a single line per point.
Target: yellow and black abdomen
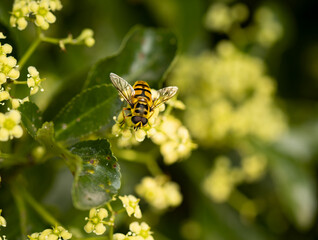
x: 142, y: 100
x: 142, y: 92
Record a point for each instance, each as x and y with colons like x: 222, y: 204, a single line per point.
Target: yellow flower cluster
x: 223, y: 178
x: 174, y: 139
x: 9, y: 73
x: 268, y: 29
x: 265, y: 29
x: 221, y: 18
x: 8, y: 64
x: 38, y: 11
x: 228, y: 97
x: 56, y: 233
x: 3, y: 222
x: 96, y: 221
x: 137, y: 232
x: 159, y: 192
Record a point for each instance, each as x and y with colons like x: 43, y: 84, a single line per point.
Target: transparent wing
x: 164, y: 95
x: 123, y: 87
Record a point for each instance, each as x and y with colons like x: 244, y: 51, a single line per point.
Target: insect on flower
x: 141, y: 103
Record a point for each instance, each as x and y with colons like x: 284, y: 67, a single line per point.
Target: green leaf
x: 96, y: 171
x: 86, y: 113
x: 31, y: 117
x: 296, y: 190
x: 99, y: 178
x: 294, y: 184
x: 145, y: 54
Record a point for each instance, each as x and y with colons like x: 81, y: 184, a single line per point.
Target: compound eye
x: 135, y: 119
x: 144, y: 121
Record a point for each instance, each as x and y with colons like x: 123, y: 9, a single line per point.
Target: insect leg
x: 150, y: 117
x: 123, y: 112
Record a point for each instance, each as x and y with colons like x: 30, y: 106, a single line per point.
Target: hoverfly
x: 139, y: 98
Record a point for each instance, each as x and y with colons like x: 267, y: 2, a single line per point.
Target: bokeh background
x: 248, y: 75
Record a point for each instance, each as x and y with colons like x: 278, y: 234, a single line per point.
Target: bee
x: 141, y: 103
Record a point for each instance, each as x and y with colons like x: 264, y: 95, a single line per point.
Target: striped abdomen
x: 142, y: 92
x: 142, y: 99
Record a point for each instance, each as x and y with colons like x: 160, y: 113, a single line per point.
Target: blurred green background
x: 283, y: 199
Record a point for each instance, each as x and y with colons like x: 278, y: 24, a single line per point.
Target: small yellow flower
x: 9, y: 125
x: 95, y: 221
x: 219, y: 18
x: 222, y: 179
x: 130, y: 202
x: 3, y: 78
x: 4, y: 95
x: 19, y: 12
x: 159, y: 192
x: 57, y: 232
x: 254, y: 167
x: 119, y: 236
x: 5, y: 49
x: 140, y: 135
x: 34, y: 236
x: 129, y: 236
x: 55, y: 5
x: 8, y: 67
x: 3, y: 222
x: 34, y: 80
x: 43, y: 15
x: 2, y: 36
x: 15, y: 102
x: 141, y: 230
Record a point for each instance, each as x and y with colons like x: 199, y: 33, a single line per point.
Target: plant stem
x: 20, y: 82
x: 153, y: 167
x: 91, y: 238
x: 40, y: 209
x: 21, y: 207
x: 61, y: 41
x: 29, y: 52
x: 112, y: 220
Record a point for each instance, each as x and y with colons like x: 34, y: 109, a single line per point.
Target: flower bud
x: 4, y: 95
x: 89, y: 42
x: 140, y: 135
x: 22, y: 23
x: 7, y: 48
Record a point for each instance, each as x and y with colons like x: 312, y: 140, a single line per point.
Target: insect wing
x: 123, y: 87
x: 164, y: 95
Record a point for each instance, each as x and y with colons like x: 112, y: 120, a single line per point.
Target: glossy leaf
x: 145, y: 54
x: 31, y: 117
x: 88, y: 112
x: 294, y: 184
x: 99, y: 178
x: 96, y: 171
x: 296, y: 190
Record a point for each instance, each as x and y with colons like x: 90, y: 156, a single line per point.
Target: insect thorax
x: 141, y: 108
